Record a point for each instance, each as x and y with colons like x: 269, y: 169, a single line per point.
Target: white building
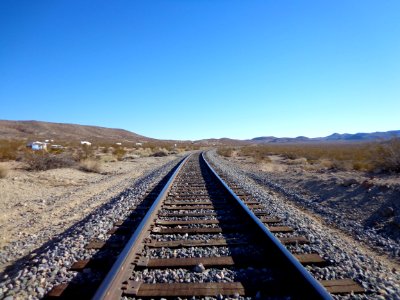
x: 38, y: 145
x: 86, y: 143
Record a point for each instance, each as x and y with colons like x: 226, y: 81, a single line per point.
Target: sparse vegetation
x: 3, y: 172
x: 119, y: 152
x: 369, y: 157
x: 388, y: 156
x: 9, y: 149
x: 41, y: 161
x: 160, y: 153
x: 85, y: 152
x: 225, y: 151
x: 90, y: 165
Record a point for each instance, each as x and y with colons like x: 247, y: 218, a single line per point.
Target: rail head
x: 310, y: 283
x: 110, y: 288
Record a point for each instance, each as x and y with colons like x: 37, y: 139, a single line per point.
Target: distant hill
x: 363, y: 136
x: 335, y: 137
x: 36, y: 130
x: 220, y: 142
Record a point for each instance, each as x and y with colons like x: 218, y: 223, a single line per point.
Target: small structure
x: 118, y: 144
x: 86, y: 143
x: 56, y: 147
x: 139, y: 144
x: 38, y: 145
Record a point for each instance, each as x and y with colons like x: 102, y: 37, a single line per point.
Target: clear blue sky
x: 198, y: 69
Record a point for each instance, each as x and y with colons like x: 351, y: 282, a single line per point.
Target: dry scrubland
x: 360, y: 181
x: 85, y: 158
x: 44, y: 193
x: 378, y: 157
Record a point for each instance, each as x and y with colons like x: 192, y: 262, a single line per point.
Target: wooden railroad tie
x: 206, y: 230
x: 136, y: 288
x: 195, y: 243
x: 217, y: 242
x: 139, y: 289
x: 186, y: 222
x: 222, y: 261
x: 195, y: 230
x: 189, y: 214
x: 342, y: 286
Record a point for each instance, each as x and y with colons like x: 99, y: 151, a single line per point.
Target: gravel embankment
x: 48, y: 266
x: 349, y: 258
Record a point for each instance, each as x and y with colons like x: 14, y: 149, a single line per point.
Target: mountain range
x: 335, y: 137
x: 37, y: 130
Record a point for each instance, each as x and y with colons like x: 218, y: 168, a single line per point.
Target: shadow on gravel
x: 259, y: 270
x: 115, y: 243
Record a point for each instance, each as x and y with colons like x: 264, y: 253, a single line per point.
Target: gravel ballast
x: 349, y: 258
x: 37, y: 273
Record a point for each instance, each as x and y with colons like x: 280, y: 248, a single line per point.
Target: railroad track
x: 202, y: 238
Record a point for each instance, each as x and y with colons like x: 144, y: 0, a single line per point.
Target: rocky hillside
x: 35, y: 130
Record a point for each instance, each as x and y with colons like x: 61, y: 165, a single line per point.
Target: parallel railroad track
x: 202, y: 238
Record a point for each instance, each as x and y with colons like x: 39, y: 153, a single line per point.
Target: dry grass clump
x: 370, y: 157
x: 90, y: 165
x: 160, y: 153
x: 41, y: 161
x: 3, y: 172
x: 388, y: 156
x: 84, y: 152
x: 226, y: 151
x: 119, y: 153
x: 9, y: 150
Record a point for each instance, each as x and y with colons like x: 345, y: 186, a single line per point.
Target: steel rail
x: 110, y: 287
x: 311, y: 288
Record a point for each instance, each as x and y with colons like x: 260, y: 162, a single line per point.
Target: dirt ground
x: 44, y: 203
x: 370, y: 199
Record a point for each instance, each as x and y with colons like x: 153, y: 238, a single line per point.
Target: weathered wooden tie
x: 139, y: 289
x: 342, y: 286
x: 195, y: 243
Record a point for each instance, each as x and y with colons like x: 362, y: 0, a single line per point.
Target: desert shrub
x: 55, y: 151
x: 160, y: 153
x: 90, y: 165
x: 105, y: 150
x: 41, y: 161
x: 387, y: 156
x: 143, y: 152
x: 226, y: 151
x: 373, y: 156
x: 9, y: 149
x: 119, y: 152
x: 84, y: 152
x: 3, y: 172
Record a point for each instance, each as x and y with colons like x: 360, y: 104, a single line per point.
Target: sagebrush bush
x: 119, y: 153
x: 9, y: 149
x: 226, y: 151
x: 90, y: 165
x: 160, y: 153
x: 41, y: 161
x: 388, y: 156
x: 3, y: 172
x: 84, y: 152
